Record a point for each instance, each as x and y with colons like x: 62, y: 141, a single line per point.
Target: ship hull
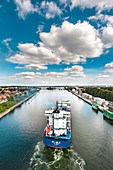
x: 57, y: 142
x: 108, y: 114
x: 94, y: 106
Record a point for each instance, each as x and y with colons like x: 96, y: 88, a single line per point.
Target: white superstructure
x: 58, y: 120
x: 99, y: 100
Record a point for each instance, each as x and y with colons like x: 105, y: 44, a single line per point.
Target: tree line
x: 105, y: 93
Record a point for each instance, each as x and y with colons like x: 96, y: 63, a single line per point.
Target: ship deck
x: 68, y: 136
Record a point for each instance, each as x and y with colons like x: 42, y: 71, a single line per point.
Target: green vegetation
x: 51, y: 88
x: 106, y: 93
x: 6, y: 105
x: 13, y: 100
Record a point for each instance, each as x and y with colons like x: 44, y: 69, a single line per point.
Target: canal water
x: 21, y: 134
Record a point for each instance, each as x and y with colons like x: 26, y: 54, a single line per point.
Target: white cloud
x: 57, y: 74
x: 36, y: 67
x: 102, y: 76
x: 73, y: 42
x: 109, y: 65
x: 100, y: 5
x: 106, y: 32
x: 27, y: 77
x: 40, y: 28
x: 109, y: 68
x: 103, y: 18
x: 25, y: 7
x: 35, y: 56
x: 76, y: 70
x: 25, y: 74
x: 107, y: 36
x: 63, y: 1
x: 70, y: 43
x: 38, y: 73
x: 33, y: 66
x: 50, y: 9
x: 108, y: 71
x: 6, y: 42
x: 18, y: 67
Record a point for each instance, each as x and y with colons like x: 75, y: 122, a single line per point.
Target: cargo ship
x: 57, y: 133
x: 108, y: 114
x: 95, y: 106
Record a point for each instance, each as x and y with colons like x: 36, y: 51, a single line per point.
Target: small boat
x: 57, y: 133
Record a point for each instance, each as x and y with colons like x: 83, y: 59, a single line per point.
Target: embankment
x: 15, y: 106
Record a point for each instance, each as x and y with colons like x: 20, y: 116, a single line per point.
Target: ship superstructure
x: 57, y: 133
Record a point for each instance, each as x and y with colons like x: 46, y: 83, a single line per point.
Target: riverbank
x: 88, y: 101
x: 15, y: 106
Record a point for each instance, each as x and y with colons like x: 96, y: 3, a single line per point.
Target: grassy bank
x: 13, y: 102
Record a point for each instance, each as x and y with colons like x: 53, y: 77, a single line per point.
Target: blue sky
x: 64, y: 42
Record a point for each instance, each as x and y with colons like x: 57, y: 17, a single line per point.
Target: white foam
x: 39, y: 158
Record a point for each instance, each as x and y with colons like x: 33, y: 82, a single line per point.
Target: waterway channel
x: 21, y: 134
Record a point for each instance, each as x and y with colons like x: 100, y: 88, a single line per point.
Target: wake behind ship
x: 57, y: 133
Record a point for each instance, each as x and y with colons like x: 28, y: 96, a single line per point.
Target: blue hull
x: 61, y: 142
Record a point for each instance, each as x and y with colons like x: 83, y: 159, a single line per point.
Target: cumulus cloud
x: 103, y: 18
x: 76, y: 70
x: 99, y: 5
x: 35, y: 55
x: 25, y: 74
x: 109, y: 68
x: 36, y: 67
x: 102, y: 76
x: 73, y: 42
x: 107, y: 36
x: 25, y: 7
x: 33, y: 66
x: 69, y: 43
x: 107, y: 31
x: 50, y: 9
x: 109, y: 65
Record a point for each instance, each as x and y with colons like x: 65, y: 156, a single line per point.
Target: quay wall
x: 88, y: 101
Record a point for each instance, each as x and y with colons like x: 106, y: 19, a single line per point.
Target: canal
x: 21, y: 134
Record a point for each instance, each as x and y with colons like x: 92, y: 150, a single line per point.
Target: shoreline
x: 88, y: 101
x: 15, y: 106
